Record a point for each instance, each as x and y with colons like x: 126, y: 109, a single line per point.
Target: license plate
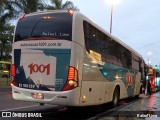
x: 37, y: 95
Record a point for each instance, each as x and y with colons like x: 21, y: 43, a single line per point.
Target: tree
x: 6, y: 13
x: 6, y: 31
x: 26, y: 6
x: 58, y: 5
x: 6, y: 37
x: 10, y: 9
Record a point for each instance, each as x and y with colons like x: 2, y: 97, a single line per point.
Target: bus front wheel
x: 115, y: 98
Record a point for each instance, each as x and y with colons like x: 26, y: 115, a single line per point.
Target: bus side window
x: 92, y: 37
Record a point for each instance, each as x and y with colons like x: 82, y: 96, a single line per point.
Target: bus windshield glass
x: 47, y: 26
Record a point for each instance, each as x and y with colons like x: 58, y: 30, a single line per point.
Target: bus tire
x: 115, y: 98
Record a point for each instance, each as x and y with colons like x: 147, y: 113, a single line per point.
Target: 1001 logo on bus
x: 130, y: 79
x: 34, y: 68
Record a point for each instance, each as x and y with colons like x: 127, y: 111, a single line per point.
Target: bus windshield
x: 47, y: 26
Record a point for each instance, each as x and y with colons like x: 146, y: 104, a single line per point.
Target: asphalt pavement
x: 145, y: 108
x: 6, y: 89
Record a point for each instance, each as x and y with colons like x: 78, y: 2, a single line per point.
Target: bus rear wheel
x: 115, y: 98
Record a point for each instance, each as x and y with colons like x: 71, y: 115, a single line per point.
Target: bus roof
x: 94, y: 24
x: 44, y: 12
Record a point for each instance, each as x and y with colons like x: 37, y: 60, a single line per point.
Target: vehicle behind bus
x: 154, y: 79
x: 4, y: 73
x: 4, y: 69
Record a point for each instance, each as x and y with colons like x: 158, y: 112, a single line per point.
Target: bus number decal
x: 129, y: 79
x: 34, y: 68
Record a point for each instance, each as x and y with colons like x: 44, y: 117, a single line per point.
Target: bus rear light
x: 71, y: 12
x: 21, y: 17
x: 13, y: 70
x: 14, y: 83
x: 71, y: 73
x: 72, y: 79
x: 13, y: 74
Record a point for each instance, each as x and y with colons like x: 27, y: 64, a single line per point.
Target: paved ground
x: 147, y: 108
x: 5, y: 89
x: 4, y: 83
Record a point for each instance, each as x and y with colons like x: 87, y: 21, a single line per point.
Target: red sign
x: 34, y: 68
x: 129, y: 79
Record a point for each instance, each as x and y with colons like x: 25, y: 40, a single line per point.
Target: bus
x: 5, y: 69
x: 154, y: 79
x: 63, y: 58
x: 4, y: 73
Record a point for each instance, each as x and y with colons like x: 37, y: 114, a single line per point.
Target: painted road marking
x: 19, y: 108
